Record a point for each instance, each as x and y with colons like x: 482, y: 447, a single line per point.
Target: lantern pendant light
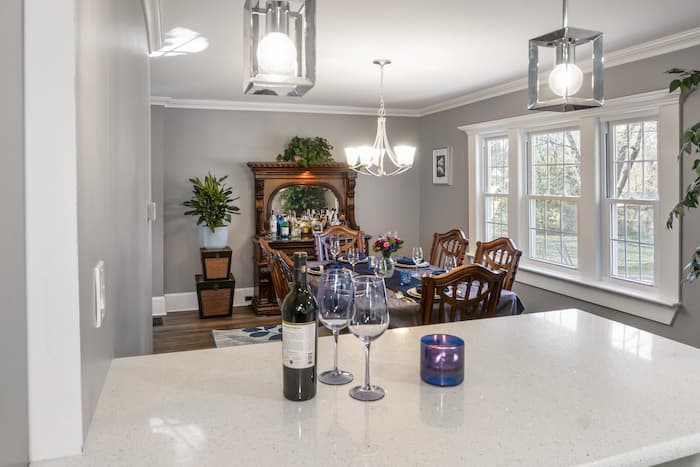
x: 565, y: 87
x: 279, y: 46
x: 371, y: 160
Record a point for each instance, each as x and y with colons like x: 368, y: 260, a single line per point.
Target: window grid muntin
x: 492, y: 224
x: 646, y: 163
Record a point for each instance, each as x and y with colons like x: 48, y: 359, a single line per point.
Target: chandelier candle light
x: 565, y: 88
x: 370, y: 160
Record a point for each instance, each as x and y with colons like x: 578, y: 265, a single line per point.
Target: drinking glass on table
x: 368, y: 320
x: 450, y: 263
x: 417, y: 257
x: 335, y: 296
x: 335, y: 248
x: 353, y: 257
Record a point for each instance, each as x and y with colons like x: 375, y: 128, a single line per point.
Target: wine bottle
x: 299, y: 338
x: 285, y: 228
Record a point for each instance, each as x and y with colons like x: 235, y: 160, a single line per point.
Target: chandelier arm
x: 565, y: 14
x: 389, y: 149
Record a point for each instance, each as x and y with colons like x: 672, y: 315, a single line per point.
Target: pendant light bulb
x: 277, y: 54
x: 566, y: 79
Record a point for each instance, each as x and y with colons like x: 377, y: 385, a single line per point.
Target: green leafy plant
x: 212, y: 202
x: 307, y: 151
x: 687, y: 82
x: 299, y: 198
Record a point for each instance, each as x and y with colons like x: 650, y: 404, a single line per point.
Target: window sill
x: 649, y: 305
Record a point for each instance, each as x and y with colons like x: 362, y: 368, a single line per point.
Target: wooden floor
x: 184, y: 330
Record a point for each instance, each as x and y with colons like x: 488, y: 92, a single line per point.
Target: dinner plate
x: 344, y: 260
x: 424, y: 264
x: 413, y: 293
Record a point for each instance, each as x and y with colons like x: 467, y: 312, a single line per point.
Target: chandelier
x: 566, y: 88
x: 370, y: 160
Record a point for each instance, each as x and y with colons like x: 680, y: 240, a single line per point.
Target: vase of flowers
x: 387, y: 244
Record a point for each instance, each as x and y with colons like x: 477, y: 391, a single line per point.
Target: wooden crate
x: 216, y: 263
x: 215, y: 298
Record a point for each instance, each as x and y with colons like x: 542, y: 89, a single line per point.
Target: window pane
x: 555, y: 163
x: 634, y: 152
x: 496, y: 217
x: 496, y: 165
x: 632, y: 242
x: 554, y: 232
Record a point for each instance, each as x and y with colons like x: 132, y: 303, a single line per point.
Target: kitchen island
x: 548, y: 389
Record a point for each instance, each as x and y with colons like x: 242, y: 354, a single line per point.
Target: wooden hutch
x: 270, y: 178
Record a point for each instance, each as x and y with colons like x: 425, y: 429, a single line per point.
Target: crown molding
x: 202, y: 104
x: 649, y: 49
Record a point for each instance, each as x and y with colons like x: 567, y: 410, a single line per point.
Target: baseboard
x: 187, y: 301
x: 158, y: 306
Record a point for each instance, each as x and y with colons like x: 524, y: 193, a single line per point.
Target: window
x: 632, y: 196
x: 495, y: 153
x: 585, y: 195
x: 555, y: 185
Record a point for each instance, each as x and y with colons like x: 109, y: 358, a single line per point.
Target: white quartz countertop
x: 549, y: 389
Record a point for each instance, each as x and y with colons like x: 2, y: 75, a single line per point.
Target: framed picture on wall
x: 442, y: 166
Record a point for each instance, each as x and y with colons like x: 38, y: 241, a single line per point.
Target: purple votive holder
x: 442, y: 359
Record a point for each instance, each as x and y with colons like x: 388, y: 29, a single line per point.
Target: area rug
x: 255, y: 335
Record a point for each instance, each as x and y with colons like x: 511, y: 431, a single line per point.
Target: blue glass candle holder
x: 442, y: 359
x: 405, y: 277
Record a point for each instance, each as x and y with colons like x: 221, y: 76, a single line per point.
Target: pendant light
x: 280, y: 46
x: 565, y: 86
x: 370, y: 160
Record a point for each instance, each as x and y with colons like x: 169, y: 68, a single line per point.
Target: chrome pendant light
x: 370, y: 160
x: 280, y: 46
x: 565, y: 87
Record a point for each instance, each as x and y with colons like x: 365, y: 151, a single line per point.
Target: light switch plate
x: 100, y: 303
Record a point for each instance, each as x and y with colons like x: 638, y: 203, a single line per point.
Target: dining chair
x: 499, y: 254
x: 472, y: 290
x: 451, y: 243
x: 282, y: 276
x: 348, y: 238
x: 269, y: 252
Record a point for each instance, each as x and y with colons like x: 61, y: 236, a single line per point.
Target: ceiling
x: 440, y: 49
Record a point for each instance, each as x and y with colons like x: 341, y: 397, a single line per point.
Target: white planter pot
x: 218, y: 239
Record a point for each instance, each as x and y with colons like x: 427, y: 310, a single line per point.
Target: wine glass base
x: 335, y: 378
x: 374, y: 393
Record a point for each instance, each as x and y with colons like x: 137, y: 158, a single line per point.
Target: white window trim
x: 590, y: 282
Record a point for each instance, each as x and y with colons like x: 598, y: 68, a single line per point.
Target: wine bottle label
x: 285, y: 231
x: 298, y: 345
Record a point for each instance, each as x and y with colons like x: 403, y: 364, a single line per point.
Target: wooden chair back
x: 270, y: 252
x: 499, y: 254
x: 451, y: 243
x: 348, y: 238
x: 282, y: 276
x: 466, y: 292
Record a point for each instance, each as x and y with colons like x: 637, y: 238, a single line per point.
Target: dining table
x: 405, y: 309
x: 559, y: 388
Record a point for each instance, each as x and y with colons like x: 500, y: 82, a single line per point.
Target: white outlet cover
x: 100, y: 303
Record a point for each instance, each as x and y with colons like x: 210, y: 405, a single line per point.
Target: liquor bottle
x: 284, y: 227
x: 273, y: 225
x: 299, y: 339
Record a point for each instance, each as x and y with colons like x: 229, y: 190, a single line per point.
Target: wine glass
x: 335, y: 296
x: 368, y: 320
x: 335, y: 248
x: 353, y: 257
x: 450, y: 263
x: 417, y: 257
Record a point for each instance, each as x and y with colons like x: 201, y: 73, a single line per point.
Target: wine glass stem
x: 367, y: 385
x: 335, y: 351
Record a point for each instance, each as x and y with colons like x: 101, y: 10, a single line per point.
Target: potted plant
x: 212, y: 203
x: 307, y: 151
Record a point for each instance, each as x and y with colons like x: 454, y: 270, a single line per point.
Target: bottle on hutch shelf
x: 284, y: 228
x: 273, y: 225
x: 299, y: 338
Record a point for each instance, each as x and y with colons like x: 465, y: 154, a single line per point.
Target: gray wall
x: 443, y: 207
x: 157, y: 194
x: 223, y: 141
x: 113, y: 185
x: 14, y: 423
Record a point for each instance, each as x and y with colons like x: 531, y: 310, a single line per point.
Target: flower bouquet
x: 387, y: 244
